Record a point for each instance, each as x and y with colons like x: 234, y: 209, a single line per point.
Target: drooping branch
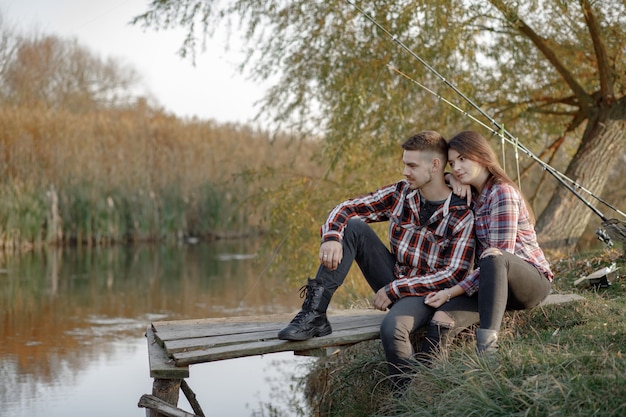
x: 606, y: 80
x: 584, y: 99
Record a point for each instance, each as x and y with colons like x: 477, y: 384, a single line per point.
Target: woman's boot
x: 486, y: 341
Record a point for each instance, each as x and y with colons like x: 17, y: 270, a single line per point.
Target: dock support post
x: 191, y: 397
x: 166, y: 390
x: 167, y: 377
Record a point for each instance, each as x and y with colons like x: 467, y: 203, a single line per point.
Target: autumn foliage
x: 83, y: 161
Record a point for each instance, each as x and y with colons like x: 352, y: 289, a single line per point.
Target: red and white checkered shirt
x: 430, y: 256
x: 502, y: 221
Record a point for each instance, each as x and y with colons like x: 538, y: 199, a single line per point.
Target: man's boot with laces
x: 311, y: 321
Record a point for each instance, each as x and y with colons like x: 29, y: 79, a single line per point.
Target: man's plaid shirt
x: 429, y: 257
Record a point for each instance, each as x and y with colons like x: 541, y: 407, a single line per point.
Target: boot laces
x: 302, y: 316
x: 306, y: 292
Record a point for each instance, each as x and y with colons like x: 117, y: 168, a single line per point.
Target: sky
x: 212, y: 89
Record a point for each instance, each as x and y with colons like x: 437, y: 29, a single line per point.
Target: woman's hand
x: 490, y: 252
x: 462, y: 190
x: 437, y: 299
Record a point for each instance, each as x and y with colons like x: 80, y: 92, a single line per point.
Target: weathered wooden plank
x: 166, y: 331
x: 337, y: 338
x: 173, y: 332
x: 561, y: 299
x: 202, y: 321
x: 246, y: 322
x: 181, y: 345
x: 161, y: 365
x: 265, y: 333
x: 163, y: 408
x: 206, y: 340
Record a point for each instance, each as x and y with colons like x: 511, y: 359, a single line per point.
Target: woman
x: 512, y: 271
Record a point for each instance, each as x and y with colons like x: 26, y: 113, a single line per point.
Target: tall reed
x: 128, y: 175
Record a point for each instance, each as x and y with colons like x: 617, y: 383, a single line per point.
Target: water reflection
x: 72, y: 323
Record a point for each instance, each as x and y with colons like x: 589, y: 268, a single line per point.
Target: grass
x: 556, y: 360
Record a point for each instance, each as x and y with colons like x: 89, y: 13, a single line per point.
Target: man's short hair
x: 428, y: 140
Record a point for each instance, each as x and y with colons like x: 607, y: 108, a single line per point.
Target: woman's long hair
x: 474, y: 146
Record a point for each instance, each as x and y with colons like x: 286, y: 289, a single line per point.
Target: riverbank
x: 554, y: 360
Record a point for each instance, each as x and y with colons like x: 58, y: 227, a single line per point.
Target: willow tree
x: 551, y: 71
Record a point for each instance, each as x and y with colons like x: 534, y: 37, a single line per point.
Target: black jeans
x: 362, y: 244
x: 507, y: 282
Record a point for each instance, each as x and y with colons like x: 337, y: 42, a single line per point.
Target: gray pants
x: 507, y: 282
x: 409, y: 314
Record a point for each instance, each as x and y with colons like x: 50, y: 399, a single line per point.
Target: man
x: 432, y: 247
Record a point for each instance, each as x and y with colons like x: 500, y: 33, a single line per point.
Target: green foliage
x: 555, y: 360
x: 85, y: 162
x: 298, y: 205
x: 22, y: 215
x: 88, y: 214
x: 334, y: 63
x: 538, y: 67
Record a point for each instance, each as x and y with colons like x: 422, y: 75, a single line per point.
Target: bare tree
x: 53, y: 72
x: 8, y: 47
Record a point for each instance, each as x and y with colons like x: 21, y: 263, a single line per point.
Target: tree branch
x: 584, y: 99
x: 606, y: 80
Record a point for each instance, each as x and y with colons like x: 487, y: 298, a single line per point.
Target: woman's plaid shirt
x: 430, y: 256
x: 502, y: 221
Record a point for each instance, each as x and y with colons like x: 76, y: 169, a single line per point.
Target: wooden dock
x: 175, y: 345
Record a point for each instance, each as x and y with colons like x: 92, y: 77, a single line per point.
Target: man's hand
x: 331, y: 254
x: 381, y: 300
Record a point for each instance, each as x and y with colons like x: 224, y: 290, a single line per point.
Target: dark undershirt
x: 427, y: 208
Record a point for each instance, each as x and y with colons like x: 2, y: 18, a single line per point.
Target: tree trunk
x: 565, y: 218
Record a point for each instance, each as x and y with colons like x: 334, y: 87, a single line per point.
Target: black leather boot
x: 311, y: 321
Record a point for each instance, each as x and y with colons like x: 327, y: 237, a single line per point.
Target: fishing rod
x: 500, y: 131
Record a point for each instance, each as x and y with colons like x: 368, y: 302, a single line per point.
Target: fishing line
x: 500, y: 130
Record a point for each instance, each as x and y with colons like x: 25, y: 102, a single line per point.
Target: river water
x: 72, y: 326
